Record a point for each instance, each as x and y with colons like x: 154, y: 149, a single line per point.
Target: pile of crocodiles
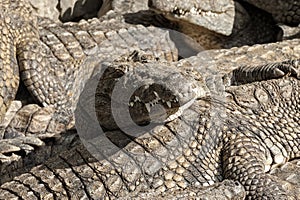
x: 151, y: 100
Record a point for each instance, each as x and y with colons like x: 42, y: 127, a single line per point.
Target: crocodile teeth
x: 169, y: 104
x: 148, y: 107
x: 137, y: 99
x: 194, y: 10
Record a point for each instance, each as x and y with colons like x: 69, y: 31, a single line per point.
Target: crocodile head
x: 216, y: 16
x: 139, y: 93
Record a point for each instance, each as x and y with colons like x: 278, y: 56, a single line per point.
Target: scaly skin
x: 39, y: 121
x: 203, y: 13
x: 67, y: 54
x: 22, y: 54
x: 214, y: 27
x: 239, y: 137
x: 284, y: 11
x: 11, y: 41
x: 221, y: 24
x: 32, y: 49
x: 66, y: 50
x: 227, y: 15
x: 171, y: 156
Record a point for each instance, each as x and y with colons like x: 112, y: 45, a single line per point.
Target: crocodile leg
x: 248, y: 74
x: 36, y: 77
x: 253, y: 148
x: 243, y: 160
x: 23, y: 48
x: 9, y: 68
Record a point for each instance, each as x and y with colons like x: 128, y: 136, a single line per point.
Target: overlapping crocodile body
x: 154, y: 119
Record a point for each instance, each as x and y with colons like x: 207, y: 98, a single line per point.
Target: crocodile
x: 213, y: 139
x: 65, y: 164
x: 231, y: 25
x: 227, y: 16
